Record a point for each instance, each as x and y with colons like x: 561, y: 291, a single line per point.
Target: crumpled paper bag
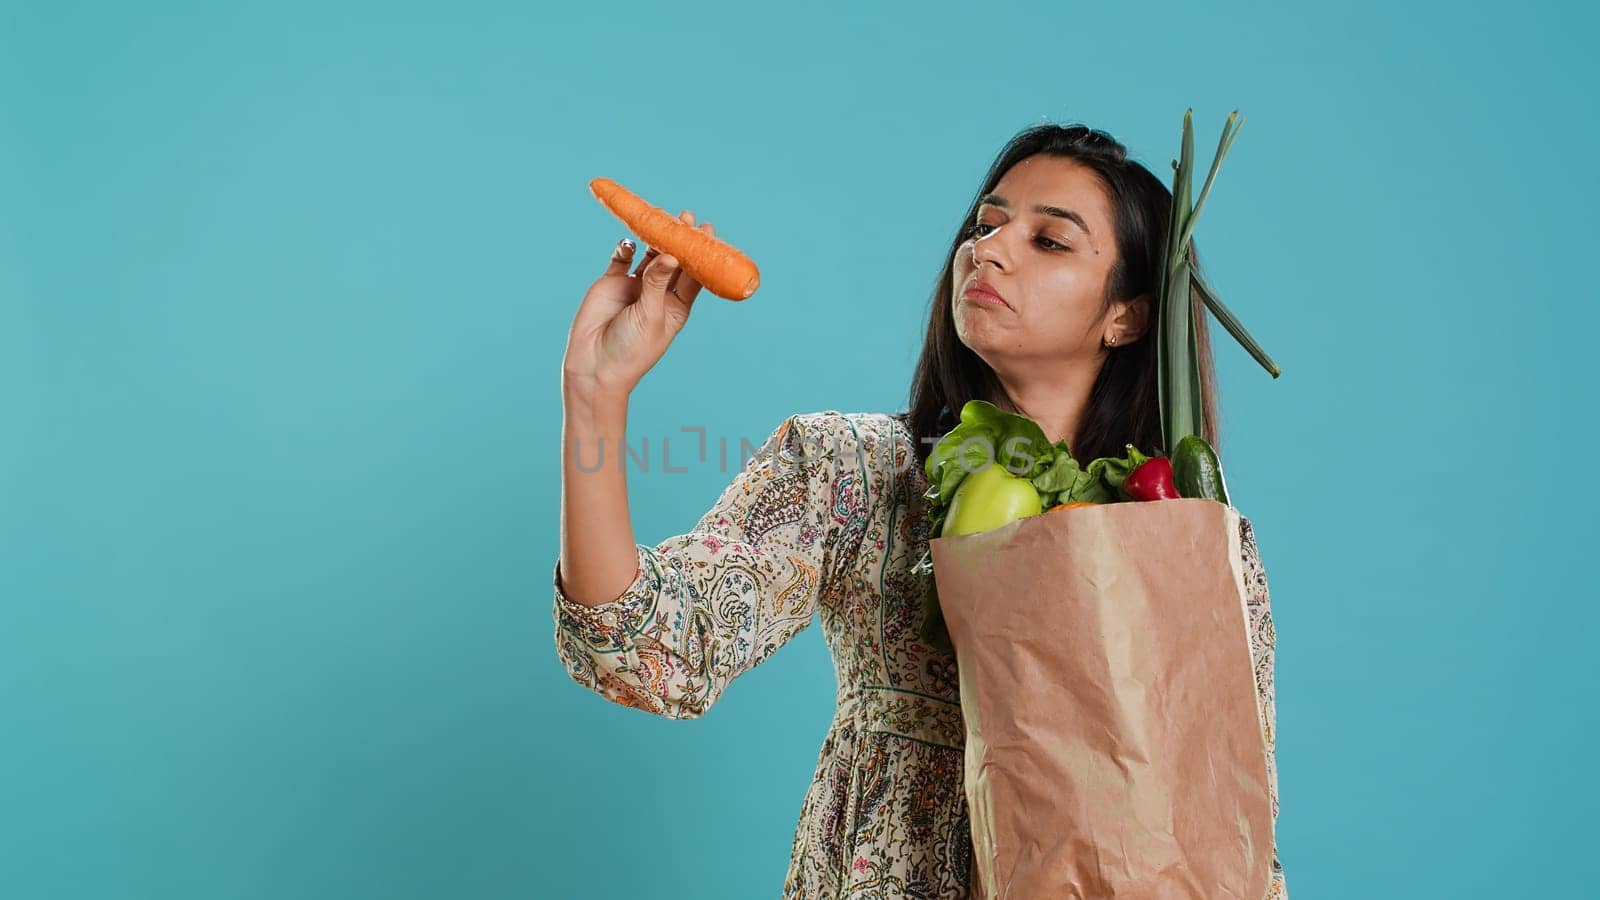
x: 1113, y: 741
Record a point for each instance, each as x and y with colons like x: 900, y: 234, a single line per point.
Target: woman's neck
x: 1057, y: 403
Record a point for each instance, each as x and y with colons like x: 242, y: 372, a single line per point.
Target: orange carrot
x: 1071, y: 505
x: 718, y: 265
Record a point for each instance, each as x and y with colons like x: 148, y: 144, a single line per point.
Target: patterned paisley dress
x: 825, y: 522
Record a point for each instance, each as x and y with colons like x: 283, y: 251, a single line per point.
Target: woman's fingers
x: 668, y: 292
x: 650, y: 253
x: 656, y: 280
x: 621, y: 257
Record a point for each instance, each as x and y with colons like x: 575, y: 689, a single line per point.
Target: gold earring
x: 1111, y: 341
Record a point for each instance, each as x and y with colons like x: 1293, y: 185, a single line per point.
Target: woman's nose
x: 987, y: 248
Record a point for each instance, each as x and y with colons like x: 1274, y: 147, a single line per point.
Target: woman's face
x: 1049, y: 267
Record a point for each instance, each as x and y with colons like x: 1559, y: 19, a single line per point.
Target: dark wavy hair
x: 1123, y: 406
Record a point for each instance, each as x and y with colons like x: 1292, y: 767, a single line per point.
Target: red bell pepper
x: 1152, y: 480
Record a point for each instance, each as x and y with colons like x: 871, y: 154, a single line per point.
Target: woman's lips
x: 984, y: 295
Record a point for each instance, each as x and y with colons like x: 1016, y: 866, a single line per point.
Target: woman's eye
x: 976, y: 229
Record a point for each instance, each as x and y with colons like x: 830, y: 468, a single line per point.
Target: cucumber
x: 1197, y: 472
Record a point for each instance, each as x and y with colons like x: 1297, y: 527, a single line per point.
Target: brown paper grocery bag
x: 1113, y: 745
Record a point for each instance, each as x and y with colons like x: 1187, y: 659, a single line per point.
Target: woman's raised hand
x: 627, y: 319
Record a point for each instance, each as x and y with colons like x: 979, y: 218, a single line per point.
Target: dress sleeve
x: 711, y: 604
x: 1263, y: 642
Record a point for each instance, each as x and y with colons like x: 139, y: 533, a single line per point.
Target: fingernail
x: 669, y: 260
x: 627, y: 245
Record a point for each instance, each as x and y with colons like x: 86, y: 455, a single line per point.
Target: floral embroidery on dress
x: 802, y: 535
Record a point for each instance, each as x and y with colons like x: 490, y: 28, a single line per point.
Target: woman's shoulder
x: 880, y: 437
x: 870, y: 450
x: 834, y: 417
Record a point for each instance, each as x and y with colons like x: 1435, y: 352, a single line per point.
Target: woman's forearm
x: 599, y: 558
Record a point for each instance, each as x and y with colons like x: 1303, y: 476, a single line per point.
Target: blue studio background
x: 283, y: 293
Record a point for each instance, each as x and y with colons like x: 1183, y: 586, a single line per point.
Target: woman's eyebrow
x: 1069, y: 215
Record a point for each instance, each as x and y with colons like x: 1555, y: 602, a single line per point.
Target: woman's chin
x: 981, y: 342
x: 977, y: 327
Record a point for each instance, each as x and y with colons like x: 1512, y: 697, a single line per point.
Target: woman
x: 1044, y: 307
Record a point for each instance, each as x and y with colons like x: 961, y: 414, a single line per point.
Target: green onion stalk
x: 1177, y: 357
